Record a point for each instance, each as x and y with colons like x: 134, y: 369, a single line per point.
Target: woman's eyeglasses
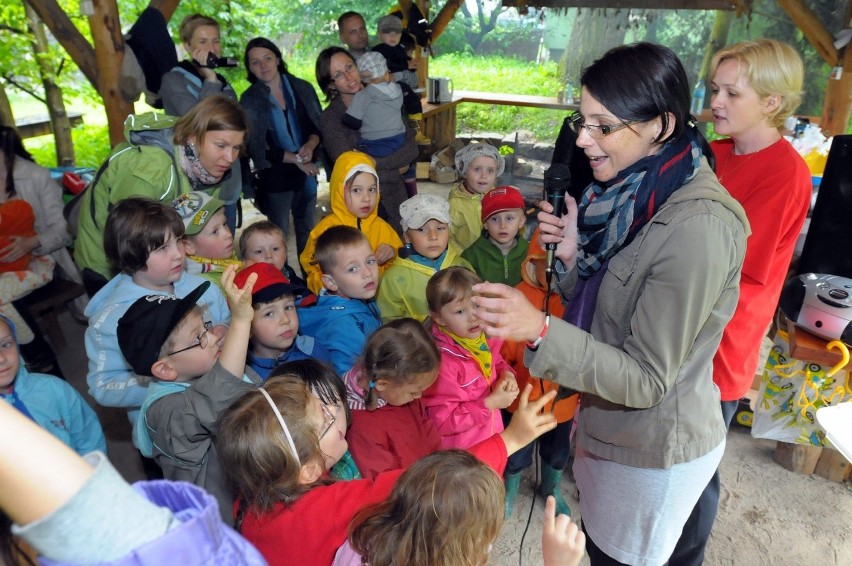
x: 200, y: 340
x: 347, y: 70
x: 597, y: 131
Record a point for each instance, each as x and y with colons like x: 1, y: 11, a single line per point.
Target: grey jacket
x: 646, y: 366
x: 182, y: 427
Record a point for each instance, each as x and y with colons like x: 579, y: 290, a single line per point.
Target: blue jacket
x: 57, y: 407
x: 303, y: 348
x: 111, y: 381
x: 341, y: 326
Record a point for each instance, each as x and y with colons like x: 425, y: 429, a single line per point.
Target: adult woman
x: 163, y: 158
x: 191, y: 81
x: 283, y: 112
x: 36, y: 254
x: 656, y: 244
x: 755, y: 85
x: 337, y: 77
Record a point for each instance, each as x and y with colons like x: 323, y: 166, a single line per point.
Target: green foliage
x: 91, y: 146
x: 501, y: 74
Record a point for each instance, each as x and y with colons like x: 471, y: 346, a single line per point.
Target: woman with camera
x: 283, y: 113
x: 193, y: 80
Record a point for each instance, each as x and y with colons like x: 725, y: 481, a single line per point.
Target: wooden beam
x: 109, y: 49
x: 625, y: 4
x: 68, y: 36
x: 807, y: 21
x: 445, y: 16
x: 837, y: 105
x: 166, y: 7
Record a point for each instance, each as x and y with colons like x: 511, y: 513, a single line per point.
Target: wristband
x: 534, y: 345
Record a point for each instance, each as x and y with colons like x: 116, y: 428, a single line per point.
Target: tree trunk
x: 6, y: 116
x: 53, y: 93
x: 109, y: 53
x: 595, y: 31
x: 718, y: 39
x: 837, y: 106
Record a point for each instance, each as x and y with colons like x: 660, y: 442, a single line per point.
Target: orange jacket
x: 534, y: 289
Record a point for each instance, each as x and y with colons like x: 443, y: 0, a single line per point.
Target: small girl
x: 208, y: 241
x: 326, y: 385
x: 474, y: 382
x: 265, y: 241
x: 447, y: 510
x: 276, y: 446
x: 47, y: 400
x: 354, y: 193
x: 425, y: 227
x: 479, y: 165
x: 390, y: 429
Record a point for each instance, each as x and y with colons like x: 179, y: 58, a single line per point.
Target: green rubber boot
x: 513, y: 482
x: 550, y: 481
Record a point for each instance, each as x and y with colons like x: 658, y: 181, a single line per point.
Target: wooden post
x: 797, y: 457
x: 109, y: 53
x: 837, y: 105
x: 832, y: 465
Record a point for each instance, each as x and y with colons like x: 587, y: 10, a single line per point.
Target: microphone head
x: 557, y: 180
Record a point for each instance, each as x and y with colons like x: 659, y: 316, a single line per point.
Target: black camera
x: 214, y: 62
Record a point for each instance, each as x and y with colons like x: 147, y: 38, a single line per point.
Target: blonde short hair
x: 772, y: 68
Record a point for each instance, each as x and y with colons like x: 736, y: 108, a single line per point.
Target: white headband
x: 283, y: 425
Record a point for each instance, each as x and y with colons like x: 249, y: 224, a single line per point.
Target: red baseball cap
x: 500, y: 199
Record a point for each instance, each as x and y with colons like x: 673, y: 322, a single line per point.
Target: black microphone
x: 557, y: 181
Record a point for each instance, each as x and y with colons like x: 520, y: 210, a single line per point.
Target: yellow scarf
x: 478, y: 348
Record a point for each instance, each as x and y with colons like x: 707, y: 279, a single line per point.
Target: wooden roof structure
x: 101, y: 60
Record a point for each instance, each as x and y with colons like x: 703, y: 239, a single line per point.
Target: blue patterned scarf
x: 612, y: 213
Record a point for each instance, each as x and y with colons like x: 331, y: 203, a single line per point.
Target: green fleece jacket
x: 144, y: 165
x: 491, y: 265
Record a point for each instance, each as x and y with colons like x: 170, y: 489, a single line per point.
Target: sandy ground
x: 767, y: 515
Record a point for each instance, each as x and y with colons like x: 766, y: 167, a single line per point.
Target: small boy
x: 479, y: 165
x: 354, y: 194
x: 403, y: 69
x: 275, y: 337
x: 498, y: 253
x: 265, y: 241
x: 194, y: 380
x: 143, y: 239
x: 208, y: 241
x: 376, y: 110
x: 47, y: 400
x: 345, y: 314
x: 425, y: 227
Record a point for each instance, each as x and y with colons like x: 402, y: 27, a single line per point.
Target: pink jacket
x: 456, y: 401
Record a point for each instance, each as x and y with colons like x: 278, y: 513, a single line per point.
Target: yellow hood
x: 347, y: 165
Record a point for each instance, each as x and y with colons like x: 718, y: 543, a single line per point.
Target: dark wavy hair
x: 266, y: 44
x: 12, y: 146
x: 323, y: 70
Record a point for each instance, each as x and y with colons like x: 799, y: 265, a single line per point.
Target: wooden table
x: 32, y: 126
x: 439, y: 120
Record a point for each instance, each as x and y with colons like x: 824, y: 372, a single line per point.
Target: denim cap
x: 372, y: 65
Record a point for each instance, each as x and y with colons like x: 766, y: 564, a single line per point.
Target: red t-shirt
x: 391, y: 438
x: 312, y: 529
x: 774, y: 187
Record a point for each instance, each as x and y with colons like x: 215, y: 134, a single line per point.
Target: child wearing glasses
x: 143, y: 239
x: 276, y: 446
x: 208, y: 241
x: 354, y: 195
x: 194, y: 379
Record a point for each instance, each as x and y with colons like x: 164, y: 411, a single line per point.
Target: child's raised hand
x: 528, y: 422
x: 239, y: 300
x: 384, y: 253
x: 562, y: 542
